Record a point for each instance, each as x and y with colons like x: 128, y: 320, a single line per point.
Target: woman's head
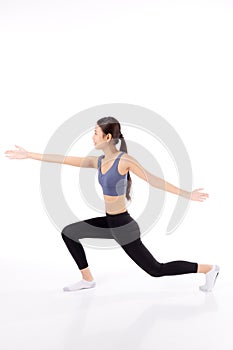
x: 108, y: 134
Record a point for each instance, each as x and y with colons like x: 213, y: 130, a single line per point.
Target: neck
x: 110, y: 153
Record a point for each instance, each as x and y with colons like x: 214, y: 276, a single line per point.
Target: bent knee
x: 71, y: 233
x: 63, y: 232
x: 66, y: 231
x: 157, y: 271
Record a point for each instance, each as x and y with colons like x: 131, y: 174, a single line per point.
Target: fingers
x: 202, y: 195
x: 11, y: 151
x: 8, y: 151
x: 198, y: 196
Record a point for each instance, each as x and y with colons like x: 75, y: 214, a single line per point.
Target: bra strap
x: 99, y: 160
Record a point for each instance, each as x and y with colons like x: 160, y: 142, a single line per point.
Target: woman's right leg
x: 91, y: 228
x: 77, y: 252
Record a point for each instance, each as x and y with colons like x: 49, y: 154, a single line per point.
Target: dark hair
x: 111, y: 125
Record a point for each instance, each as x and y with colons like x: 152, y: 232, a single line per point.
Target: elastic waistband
x: 118, y: 214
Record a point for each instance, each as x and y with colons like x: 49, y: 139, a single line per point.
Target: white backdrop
x: 173, y: 57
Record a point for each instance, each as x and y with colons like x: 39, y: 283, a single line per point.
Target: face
x: 98, y: 137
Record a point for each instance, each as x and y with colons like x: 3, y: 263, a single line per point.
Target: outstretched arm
x: 133, y: 165
x: 21, y: 153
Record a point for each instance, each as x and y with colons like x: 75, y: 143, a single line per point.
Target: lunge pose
x: 114, y: 176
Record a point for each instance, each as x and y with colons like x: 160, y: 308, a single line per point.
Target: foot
x: 83, y: 284
x: 211, y: 277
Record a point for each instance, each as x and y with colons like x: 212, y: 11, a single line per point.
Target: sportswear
x: 112, y: 182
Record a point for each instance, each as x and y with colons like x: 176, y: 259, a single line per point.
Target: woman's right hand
x: 21, y: 153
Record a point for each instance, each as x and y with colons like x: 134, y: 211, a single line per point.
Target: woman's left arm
x: 131, y: 164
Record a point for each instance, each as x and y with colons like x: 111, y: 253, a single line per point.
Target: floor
x: 126, y: 310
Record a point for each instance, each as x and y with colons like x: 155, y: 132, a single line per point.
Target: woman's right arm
x: 21, y: 153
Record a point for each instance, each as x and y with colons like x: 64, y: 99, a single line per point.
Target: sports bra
x: 112, y: 182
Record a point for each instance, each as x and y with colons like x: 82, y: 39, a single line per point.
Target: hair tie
x: 121, y: 136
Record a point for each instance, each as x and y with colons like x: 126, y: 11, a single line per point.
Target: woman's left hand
x: 198, y: 196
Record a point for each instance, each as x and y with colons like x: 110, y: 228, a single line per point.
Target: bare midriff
x: 114, y: 204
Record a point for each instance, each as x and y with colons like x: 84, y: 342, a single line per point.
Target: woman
x: 114, y: 177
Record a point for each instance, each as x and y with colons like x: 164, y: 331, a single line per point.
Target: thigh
x: 124, y: 229
x: 97, y: 227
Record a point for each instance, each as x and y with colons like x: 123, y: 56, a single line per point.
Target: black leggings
x: 125, y: 230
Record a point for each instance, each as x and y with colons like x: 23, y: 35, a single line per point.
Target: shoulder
x: 127, y: 162
x: 130, y: 163
x: 127, y: 158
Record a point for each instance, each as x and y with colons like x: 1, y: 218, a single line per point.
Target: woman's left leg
x: 144, y: 259
x: 128, y: 236
x: 126, y: 232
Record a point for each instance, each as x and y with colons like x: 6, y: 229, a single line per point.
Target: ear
x: 109, y: 137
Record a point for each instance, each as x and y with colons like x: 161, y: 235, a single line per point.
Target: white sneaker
x: 211, y: 277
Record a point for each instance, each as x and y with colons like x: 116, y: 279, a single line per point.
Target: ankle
x: 86, y: 274
x: 88, y: 279
x: 203, y: 268
x: 209, y: 268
